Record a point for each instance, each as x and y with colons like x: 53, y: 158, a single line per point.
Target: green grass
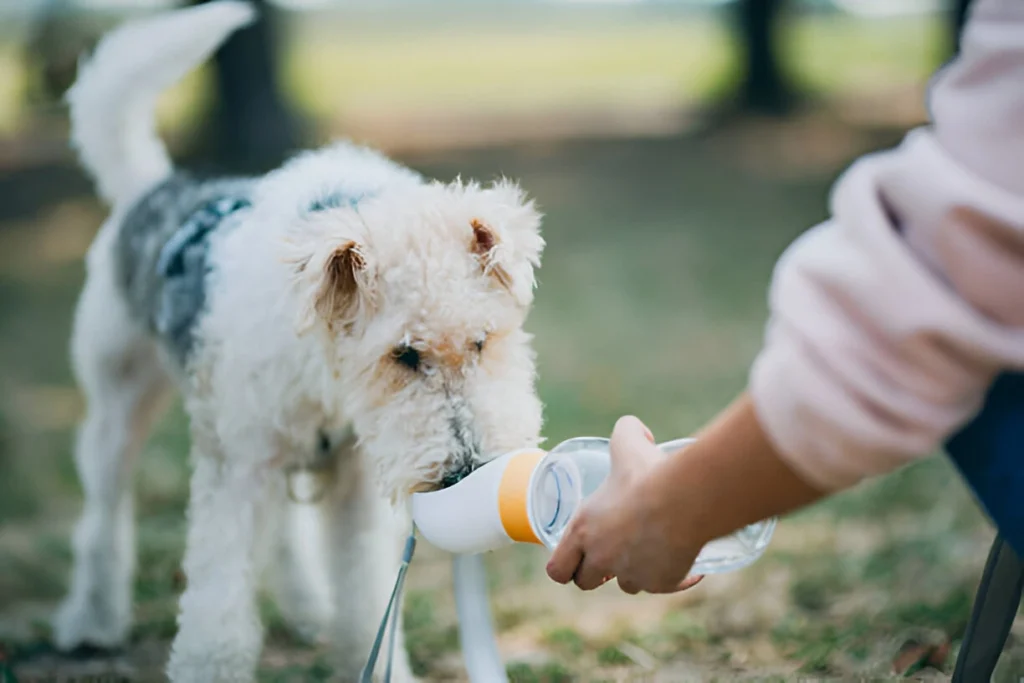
x: 489, y: 67
x: 551, y: 672
x: 319, y: 671
x: 427, y: 638
x: 585, y: 61
x: 682, y: 630
x: 818, y: 584
x: 826, y: 54
x: 16, y: 500
x: 610, y: 655
x: 822, y: 646
x: 565, y: 641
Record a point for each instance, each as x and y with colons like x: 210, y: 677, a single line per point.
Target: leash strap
x: 992, y: 617
x: 390, y: 618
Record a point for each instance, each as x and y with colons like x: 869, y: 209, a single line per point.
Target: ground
x: 651, y: 300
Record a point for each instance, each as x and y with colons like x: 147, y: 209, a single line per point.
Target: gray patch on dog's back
x: 162, y: 252
x: 337, y: 200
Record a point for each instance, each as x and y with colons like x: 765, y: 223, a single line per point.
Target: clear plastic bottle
x: 576, y: 468
x: 529, y: 496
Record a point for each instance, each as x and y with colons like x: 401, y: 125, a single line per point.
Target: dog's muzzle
x: 463, y: 468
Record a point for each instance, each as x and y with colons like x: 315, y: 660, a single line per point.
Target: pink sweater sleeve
x: 889, y: 321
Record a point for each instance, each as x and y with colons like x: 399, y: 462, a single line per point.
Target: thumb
x: 630, y: 437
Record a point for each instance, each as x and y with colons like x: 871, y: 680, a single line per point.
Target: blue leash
x: 390, y: 618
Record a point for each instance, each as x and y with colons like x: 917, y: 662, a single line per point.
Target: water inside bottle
x: 576, y: 468
x: 554, y: 499
x: 734, y: 551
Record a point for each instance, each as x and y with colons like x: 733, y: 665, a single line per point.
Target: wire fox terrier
x: 340, y: 309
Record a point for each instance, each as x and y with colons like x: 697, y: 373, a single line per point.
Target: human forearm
x: 732, y: 476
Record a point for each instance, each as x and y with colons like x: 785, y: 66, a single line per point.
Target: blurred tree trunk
x: 764, y: 88
x: 958, y: 14
x: 252, y: 127
x: 55, y: 40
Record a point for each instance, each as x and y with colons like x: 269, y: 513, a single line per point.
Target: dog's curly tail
x: 113, y: 101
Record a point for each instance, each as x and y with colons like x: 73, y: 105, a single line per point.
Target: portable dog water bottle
x: 530, y: 496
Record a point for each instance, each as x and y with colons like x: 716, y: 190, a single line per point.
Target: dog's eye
x: 407, y: 356
x: 479, y: 344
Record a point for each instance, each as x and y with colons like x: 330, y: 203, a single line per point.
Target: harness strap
x: 390, y: 618
x: 195, y: 229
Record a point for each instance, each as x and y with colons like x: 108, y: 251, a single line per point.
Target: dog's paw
x: 229, y: 654
x: 306, y: 619
x: 210, y: 666
x: 81, y: 622
x: 308, y: 631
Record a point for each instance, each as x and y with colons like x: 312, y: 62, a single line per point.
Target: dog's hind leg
x: 365, y: 540
x: 125, y: 386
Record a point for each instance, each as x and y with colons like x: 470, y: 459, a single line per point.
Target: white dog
x: 340, y: 305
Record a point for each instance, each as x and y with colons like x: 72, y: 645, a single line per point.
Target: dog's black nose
x: 457, y: 471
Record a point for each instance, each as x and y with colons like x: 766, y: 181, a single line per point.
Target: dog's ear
x: 341, y: 291
x: 509, y: 247
x: 485, y: 247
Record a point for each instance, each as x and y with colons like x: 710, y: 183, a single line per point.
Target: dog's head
x: 421, y: 294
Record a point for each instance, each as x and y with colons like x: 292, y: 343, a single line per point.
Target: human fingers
x: 566, y: 558
x: 591, y: 574
x: 689, y: 582
x: 629, y: 437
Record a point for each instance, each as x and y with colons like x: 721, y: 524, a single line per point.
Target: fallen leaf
x: 914, y: 656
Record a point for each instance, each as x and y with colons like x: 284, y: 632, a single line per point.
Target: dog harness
x: 183, y: 267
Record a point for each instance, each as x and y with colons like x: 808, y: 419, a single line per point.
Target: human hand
x: 626, y: 529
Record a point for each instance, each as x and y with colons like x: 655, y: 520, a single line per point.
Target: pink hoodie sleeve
x: 889, y: 321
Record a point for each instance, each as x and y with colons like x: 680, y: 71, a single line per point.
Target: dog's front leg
x: 219, y: 631
x: 365, y: 540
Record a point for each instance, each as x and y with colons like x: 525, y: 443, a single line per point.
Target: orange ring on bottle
x: 512, y: 496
